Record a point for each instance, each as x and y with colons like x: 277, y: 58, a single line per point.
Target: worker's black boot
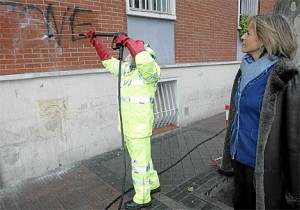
x: 131, y: 205
x: 156, y: 190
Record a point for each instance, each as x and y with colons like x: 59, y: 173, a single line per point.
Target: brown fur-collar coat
x: 277, y: 174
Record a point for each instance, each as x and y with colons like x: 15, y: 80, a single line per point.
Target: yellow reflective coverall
x: 138, y: 86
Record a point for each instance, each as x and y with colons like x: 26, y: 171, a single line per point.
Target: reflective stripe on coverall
x: 138, y: 86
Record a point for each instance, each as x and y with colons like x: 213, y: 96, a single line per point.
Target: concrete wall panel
x: 52, y: 120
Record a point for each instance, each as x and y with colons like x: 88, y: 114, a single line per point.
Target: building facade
x: 57, y: 103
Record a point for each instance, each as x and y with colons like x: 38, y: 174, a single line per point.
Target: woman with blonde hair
x: 262, y: 139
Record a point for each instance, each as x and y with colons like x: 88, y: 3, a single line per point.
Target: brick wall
x: 206, y: 30
x: 266, y: 6
x: 23, y: 25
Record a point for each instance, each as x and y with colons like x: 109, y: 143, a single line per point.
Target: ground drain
x: 208, y: 190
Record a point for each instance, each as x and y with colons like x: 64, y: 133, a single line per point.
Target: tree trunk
x: 291, y: 9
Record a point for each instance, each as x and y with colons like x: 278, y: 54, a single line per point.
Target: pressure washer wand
x: 108, y: 34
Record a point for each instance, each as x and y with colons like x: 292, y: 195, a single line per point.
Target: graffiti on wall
x: 48, y: 18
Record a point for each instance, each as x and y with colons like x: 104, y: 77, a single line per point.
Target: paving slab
x: 183, y: 158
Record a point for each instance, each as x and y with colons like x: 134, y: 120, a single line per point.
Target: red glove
x: 100, y: 48
x: 133, y: 47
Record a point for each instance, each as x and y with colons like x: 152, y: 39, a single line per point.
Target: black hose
x: 192, y: 151
x: 121, y: 48
x: 122, y: 195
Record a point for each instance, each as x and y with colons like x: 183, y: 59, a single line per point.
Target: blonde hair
x: 275, y: 33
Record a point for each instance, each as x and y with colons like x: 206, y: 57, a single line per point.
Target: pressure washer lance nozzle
x: 47, y: 36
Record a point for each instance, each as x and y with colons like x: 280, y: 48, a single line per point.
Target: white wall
x: 51, y: 120
x: 203, y: 89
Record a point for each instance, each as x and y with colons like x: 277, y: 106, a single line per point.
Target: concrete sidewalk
x: 193, y: 183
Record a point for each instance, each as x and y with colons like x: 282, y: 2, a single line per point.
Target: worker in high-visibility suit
x: 138, y: 85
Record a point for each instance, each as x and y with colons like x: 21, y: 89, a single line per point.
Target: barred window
x: 246, y: 8
x: 152, y: 8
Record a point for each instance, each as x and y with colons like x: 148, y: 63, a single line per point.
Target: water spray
x: 47, y: 37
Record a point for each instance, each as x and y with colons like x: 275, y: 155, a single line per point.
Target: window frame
x: 171, y: 15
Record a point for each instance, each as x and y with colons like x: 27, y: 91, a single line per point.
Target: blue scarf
x: 251, y: 68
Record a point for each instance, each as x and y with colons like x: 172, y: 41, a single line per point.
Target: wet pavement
x: 186, y: 160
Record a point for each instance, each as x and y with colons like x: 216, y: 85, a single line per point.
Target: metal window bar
x: 173, y: 104
x: 151, y: 5
x: 168, y: 107
x: 159, y: 5
x: 165, y: 105
x: 249, y: 7
x: 162, y: 106
x: 156, y: 107
x: 166, y: 6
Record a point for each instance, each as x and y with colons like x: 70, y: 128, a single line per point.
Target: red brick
x: 205, y: 30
